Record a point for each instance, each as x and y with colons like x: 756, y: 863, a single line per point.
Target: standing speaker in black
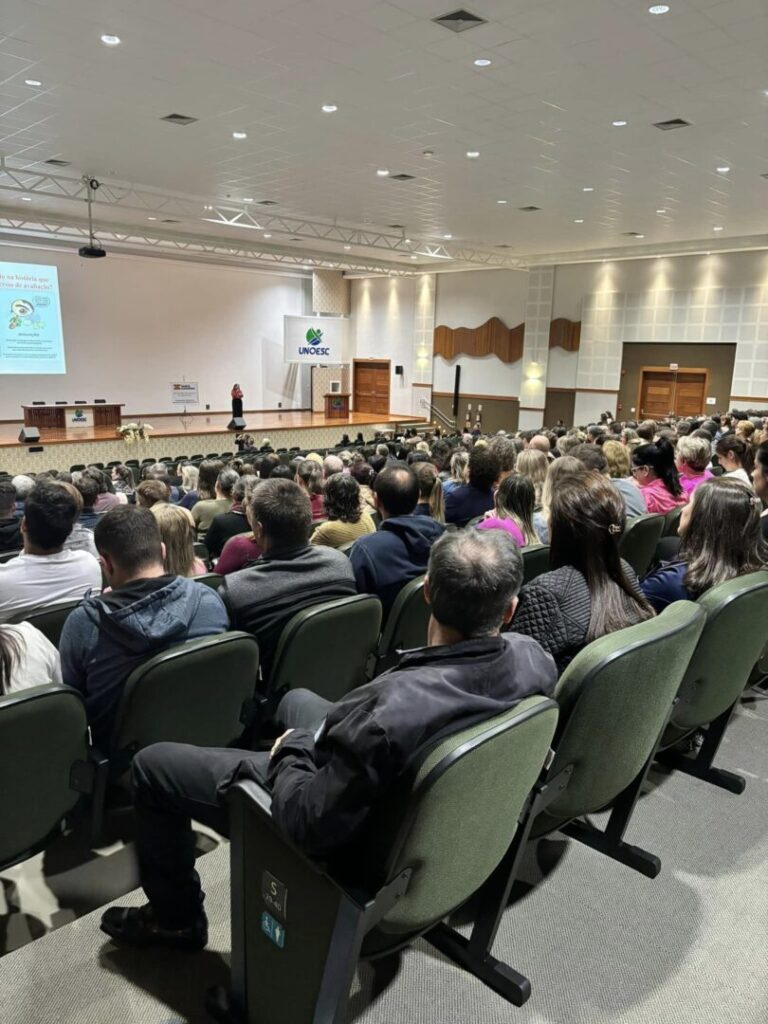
x: 29, y: 435
x: 236, y: 423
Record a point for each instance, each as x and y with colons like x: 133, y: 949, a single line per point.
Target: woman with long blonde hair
x: 177, y: 530
x: 557, y: 471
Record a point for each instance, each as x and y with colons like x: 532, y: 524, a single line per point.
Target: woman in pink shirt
x: 653, y: 467
x: 693, y: 456
x: 513, y: 511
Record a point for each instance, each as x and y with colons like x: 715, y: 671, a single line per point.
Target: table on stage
x: 62, y: 417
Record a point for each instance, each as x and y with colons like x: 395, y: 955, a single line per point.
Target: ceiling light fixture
x: 502, y: 202
x: 383, y: 172
x: 579, y: 220
x: 248, y: 200
x: 34, y: 82
x: 618, y: 124
x: 151, y: 218
x: 723, y: 169
x: 447, y: 237
x: 483, y: 62
x: 587, y: 188
x: 414, y: 256
x: 26, y: 199
x: 718, y: 227
x: 239, y: 135
x: 661, y: 210
x: 111, y: 40
x: 639, y: 236
x: 267, y: 234
x: 347, y: 247
x: 473, y: 154
x: 406, y: 241
x: 658, y: 9
x: 329, y: 108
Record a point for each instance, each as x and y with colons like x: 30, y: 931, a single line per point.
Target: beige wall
x: 497, y: 413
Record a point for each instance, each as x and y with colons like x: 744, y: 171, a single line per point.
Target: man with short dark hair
x: 291, y: 574
x: 145, y: 612
x: 337, y: 762
x: 46, y: 573
x: 472, y: 499
x: 153, y: 492
x: 383, y: 562
x: 10, y: 524
x: 89, y: 492
x: 647, y: 430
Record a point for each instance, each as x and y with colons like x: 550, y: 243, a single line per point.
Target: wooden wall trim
x: 491, y: 338
x: 597, y: 391
x: 482, y: 398
x: 531, y: 408
x: 421, y: 385
x: 565, y: 334
x: 749, y: 398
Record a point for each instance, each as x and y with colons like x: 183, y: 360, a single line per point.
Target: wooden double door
x: 371, y: 386
x: 664, y: 391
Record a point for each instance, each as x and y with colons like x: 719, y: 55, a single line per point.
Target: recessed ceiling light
x: 473, y: 154
x: 151, y: 218
x: 248, y: 200
x: 658, y: 9
x: 407, y: 241
x: 239, y: 135
x: 414, y: 256
x: 723, y: 169
x: 587, y: 188
x: 111, y: 40
x: 579, y: 220
x: 639, y: 236
x: 26, y: 199
x: 383, y: 172
x: 482, y: 62
x: 661, y: 209
x: 267, y: 234
x: 502, y: 202
x: 447, y: 236
x: 347, y: 247
x: 618, y: 124
x: 329, y: 108
x: 34, y: 82
x: 717, y: 227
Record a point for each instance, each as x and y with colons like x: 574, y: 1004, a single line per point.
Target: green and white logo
x: 314, y: 335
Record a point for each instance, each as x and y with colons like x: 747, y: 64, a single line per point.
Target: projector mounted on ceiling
x: 92, y: 251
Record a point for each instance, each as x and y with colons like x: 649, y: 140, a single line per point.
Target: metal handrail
x: 438, y: 414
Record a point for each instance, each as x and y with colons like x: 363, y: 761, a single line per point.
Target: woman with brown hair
x: 431, y: 501
x: 735, y: 456
x: 589, y: 590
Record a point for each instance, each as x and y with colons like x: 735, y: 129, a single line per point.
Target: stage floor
x: 258, y: 424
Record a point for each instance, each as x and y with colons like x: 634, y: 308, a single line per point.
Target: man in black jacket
x: 329, y: 775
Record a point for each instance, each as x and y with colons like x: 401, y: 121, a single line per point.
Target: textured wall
x: 321, y: 383
x: 330, y: 292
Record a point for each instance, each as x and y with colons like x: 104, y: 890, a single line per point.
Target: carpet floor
x: 600, y: 943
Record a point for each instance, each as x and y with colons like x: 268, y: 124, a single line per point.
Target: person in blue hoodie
x: 383, y: 562
x: 144, y: 613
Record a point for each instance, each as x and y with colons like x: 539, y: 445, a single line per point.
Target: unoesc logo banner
x: 314, y: 346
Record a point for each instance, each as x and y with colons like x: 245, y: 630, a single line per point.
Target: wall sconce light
x: 534, y: 371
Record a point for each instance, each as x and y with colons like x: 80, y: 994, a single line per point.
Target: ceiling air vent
x: 529, y: 209
x: 675, y: 122
x: 267, y: 202
x: 503, y: 245
x: 632, y: 234
x: 397, y: 227
x: 55, y: 162
x: 402, y: 177
x: 459, y: 21
x: 170, y: 221
x: 179, y: 119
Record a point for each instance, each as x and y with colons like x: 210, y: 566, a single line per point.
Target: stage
x: 193, y: 434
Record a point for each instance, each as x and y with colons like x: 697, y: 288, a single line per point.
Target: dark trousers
x: 174, y: 783
x: 237, y: 408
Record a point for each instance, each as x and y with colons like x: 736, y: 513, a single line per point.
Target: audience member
x: 80, y: 537
x: 459, y: 472
x: 89, y: 492
x: 534, y: 464
x: 231, y: 523
x: 558, y: 471
x: 177, y: 533
x: 22, y: 485
x: 589, y: 590
x: 152, y: 492
x: 431, y: 500
x: 145, y: 612
x: 735, y: 456
x: 122, y: 480
x: 475, y: 497
x: 506, y: 450
x: 721, y: 539
x: 240, y: 551
x: 513, y: 510
x: 347, y: 517
x: 760, y: 483
x: 332, y: 464
x: 46, y: 573
x: 363, y: 472
x: 309, y: 476
x: 693, y: 456
x: 106, y: 498
x: 10, y: 524
x: 204, y: 511
x: 399, y: 550
x: 654, y: 472
x: 594, y: 457
x: 290, y: 575
x: 320, y: 798
x: 540, y: 443
x: 268, y: 465
x: 189, y: 476
x: 207, y: 475
x: 27, y: 658
x: 647, y: 430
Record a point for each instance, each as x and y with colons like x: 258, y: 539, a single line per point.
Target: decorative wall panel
x: 491, y: 338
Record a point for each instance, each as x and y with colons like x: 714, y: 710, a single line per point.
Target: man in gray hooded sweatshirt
x: 144, y: 613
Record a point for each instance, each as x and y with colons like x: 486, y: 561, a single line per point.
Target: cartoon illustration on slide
x: 23, y: 315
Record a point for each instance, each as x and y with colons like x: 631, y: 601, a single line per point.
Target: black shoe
x: 137, y: 926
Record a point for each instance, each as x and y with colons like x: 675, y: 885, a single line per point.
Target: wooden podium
x: 337, y: 406
x: 62, y: 417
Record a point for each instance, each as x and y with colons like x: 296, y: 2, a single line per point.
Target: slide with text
x: 31, y: 338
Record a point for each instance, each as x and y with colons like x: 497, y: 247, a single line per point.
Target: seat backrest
x: 346, y: 548
x: 671, y: 521
x: 50, y: 621
x: 535, y: 561
x: 407, y: 624
x: 615, y: 698
x: 731, y: 643
x: 325, y: 648
x: 192, y: 693
x: 6, y: 556
x: 43, y: 733
x: 471, y: 785
x: 638, y: 542
x: 209, y: 579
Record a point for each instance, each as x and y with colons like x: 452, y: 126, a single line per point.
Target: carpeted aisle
x: 601, y: 944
